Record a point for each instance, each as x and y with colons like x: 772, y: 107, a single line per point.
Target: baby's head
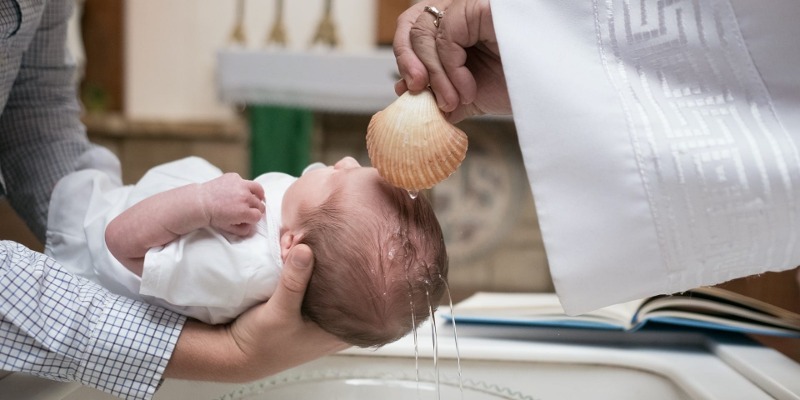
x: 380, y: 259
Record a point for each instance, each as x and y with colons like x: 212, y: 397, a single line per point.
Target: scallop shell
x: 412, y: 145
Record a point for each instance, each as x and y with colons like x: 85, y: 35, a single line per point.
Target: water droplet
x: 413, y: 194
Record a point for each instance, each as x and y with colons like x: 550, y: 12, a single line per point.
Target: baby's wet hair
x: 378, y: 272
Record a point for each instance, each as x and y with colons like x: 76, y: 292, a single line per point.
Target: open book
x: 706, y: 307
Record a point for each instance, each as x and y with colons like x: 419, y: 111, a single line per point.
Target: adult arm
x: 60, y: 327
x: 460, y: 59
x: 53, y: 324
x: 228, y: 203
x: 64, y: 328
x: 41, y: 136
x: 601, y: 104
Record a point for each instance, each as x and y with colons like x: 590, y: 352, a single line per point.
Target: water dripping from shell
x: 455, y: 336
x: 435, y: 339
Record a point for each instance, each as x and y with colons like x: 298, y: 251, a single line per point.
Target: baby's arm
x: 228, y: 203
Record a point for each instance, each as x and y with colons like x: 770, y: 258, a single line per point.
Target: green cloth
x: 280, y: 139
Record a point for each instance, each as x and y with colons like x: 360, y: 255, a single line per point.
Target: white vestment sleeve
x: 660, y: 140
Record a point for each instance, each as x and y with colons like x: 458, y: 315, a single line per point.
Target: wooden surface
x: 12, y: 228
x: 102, y: 26
x: 781, y: 289
x: 388, y: 11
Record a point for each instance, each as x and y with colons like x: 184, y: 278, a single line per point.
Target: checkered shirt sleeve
x: 65, y: 328
x: 41, y: 135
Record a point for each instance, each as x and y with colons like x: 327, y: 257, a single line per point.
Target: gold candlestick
x: 326, y: 30
x: 277, y: 35
x: 237, y: 35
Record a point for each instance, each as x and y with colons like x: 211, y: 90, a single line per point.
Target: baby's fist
x: 233, y: 204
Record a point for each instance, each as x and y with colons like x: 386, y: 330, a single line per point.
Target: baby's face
x: 358, y: 184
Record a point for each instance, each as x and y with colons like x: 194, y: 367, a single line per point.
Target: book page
x: 750, y: 302
x: 719, y: 307
x: 537, y: 308
x: 723, y: 323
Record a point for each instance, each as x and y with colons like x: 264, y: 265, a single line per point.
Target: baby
x: 211, y: 245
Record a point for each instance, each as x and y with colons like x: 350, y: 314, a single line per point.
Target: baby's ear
x: 288, y: 240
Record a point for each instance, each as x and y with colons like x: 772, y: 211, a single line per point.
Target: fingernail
x: 301, y: 258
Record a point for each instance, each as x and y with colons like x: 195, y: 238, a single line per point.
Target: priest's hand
x: 456, y: 54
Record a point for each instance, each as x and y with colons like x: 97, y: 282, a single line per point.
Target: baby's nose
x: 346, y: 163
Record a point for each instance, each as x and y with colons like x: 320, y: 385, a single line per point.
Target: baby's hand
x: 232, y: 204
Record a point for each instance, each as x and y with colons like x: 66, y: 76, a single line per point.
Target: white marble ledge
x: 360, y: 83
